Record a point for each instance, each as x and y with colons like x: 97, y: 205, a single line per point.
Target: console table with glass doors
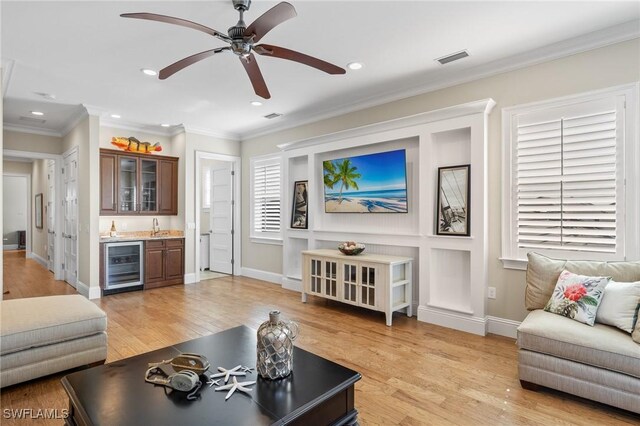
x: 374, y: 281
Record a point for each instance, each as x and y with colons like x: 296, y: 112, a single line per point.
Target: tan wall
x: 16, y: 167
x: 85, y: 136
x: 605, y: 67
x: 196, y: 142
x: 137, y: 223
x: 19, y: 141
x: 1, y: 183
x: 39, y: 185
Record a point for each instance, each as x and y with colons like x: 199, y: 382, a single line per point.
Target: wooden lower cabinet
x: 163, y: 262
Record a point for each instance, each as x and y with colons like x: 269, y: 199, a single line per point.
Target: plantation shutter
x: 566, y: 169
x: 266, y: 197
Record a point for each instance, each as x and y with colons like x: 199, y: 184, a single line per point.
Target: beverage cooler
x: 123, y: 265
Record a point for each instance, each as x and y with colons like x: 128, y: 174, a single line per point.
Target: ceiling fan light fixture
x: 149, y: 72
x: 354, y: 65
x: 256, y: 103
x: 48, y: 96
x: 165, y: 125
x: 38, y: 113
x: 115, y: 116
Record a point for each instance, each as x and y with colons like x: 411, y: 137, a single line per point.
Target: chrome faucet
x: 156, y: 227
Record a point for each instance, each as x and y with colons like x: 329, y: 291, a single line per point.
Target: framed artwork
x: 453, y: 200
x: 38, y: 207
x: 299, y: 216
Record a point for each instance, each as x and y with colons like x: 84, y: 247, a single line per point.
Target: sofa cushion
x: 543, y: 273
x: 577, y: 296
x: 38, y: 321
x: 636, y: 332
x: 600, y: 346
x: 619, y: 305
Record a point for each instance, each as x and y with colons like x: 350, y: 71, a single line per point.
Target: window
x: 566, y: 193
x: 266, y: 189
x: 206, y: 187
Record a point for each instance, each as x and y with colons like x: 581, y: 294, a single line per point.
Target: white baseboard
x: 262, y: 275
x: 292, y: 284
x: 38, y: 259
x: 502, y: 326
x: 453, y: 320
x: 10, y: 247
x: 90, y: 292
x: 190, y: 278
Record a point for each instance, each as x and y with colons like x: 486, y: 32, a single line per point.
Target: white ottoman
x: 44, y: 335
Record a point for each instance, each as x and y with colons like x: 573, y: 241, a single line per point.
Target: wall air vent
x: 32, y: 120
x: 453, y: 57
x: 272, y: 115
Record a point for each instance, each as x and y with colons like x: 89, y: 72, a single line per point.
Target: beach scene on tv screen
x: 374, y: 183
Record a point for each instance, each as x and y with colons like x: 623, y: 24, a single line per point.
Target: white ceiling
x: 84, y: 53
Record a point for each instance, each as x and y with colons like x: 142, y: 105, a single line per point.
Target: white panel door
x: 51, y: 214
x: 221, y: 218
x: 70, y: 234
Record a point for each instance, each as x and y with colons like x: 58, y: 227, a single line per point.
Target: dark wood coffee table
x: 318, y: 392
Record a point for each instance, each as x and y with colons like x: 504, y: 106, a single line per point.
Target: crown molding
x: 74, y: 120
x: 590, y: 41
x: 7, y: 70
x: 128, y: 125
x: 212, y: 133
x: 483, y: 106
x: 30, y: 130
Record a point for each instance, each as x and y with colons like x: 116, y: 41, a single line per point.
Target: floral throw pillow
x: 577, y: 296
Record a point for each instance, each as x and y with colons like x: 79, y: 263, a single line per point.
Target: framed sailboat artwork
x: 453, y: 200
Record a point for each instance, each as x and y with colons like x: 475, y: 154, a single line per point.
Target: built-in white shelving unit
x: 449, y: 272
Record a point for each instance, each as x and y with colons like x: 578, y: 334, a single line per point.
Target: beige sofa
x: 601, y: 363
x: 45, y: 335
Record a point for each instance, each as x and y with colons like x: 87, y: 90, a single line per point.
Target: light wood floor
x: 413, y: 373
x: 27, y: 278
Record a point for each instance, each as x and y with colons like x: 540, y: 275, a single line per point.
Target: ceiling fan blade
x: 292, y: 55
x: 177, y: 21
x: 269, y: 20
x: 190, y: 60
x: 257, y: 81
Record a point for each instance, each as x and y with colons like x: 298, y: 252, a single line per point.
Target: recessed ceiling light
x: 115, y: 116
x: 165, y: 125
x: 38, y: 113
x: 148, y: 71
x: 256, y: 103
x: 354, y: 65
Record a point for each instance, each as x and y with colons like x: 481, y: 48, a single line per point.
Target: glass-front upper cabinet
x: 138, y: 184
x: 128, y: 184
x: 149, y: 185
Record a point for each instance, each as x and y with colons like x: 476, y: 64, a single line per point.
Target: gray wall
x: 600, y: 68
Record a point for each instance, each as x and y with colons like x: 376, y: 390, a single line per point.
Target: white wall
x: 15, y: 214
x: 605, y: 67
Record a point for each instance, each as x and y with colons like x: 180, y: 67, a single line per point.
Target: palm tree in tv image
x: 343, y: 172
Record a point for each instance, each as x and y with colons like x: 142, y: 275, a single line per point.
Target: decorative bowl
x: 351, y: 248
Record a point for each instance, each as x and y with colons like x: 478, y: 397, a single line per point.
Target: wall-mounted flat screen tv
x: 373, y: 183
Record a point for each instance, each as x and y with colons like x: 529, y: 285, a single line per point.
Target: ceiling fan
x: 242, y: 40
